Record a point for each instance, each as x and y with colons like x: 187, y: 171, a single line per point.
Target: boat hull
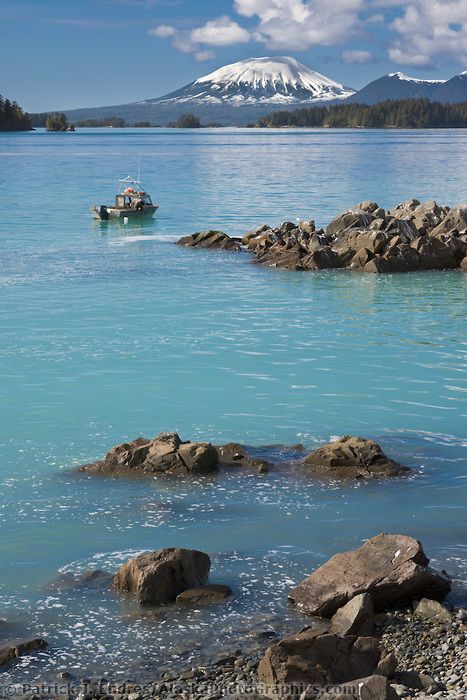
x: 104, y: 213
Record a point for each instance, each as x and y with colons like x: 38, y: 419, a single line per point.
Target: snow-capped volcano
x: 259, y: 81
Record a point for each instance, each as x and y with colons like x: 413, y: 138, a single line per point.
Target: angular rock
x: 463, y: 264
x: 376, y: 687
x: 205, y: 595
x: 353, y: 457
x: 412, y: 679
x: 234, y: 455
x: 210, y: 239
x: 323, y: 258
x: 349, y: 219
x: 166, y: 453
x: 387, y: 666
x: 455, y: 221
x: 432, y: 610
x: 355, y: 617
x: 392, y: 568
x: 314, y: 658
x: 156, y: 578
x: 12, y: 650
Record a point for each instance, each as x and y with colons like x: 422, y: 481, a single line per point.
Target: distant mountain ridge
x: 398, y: 86
x: 240, y: 93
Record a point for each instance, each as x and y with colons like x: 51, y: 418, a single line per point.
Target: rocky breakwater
x: 409, y: 237
x: 385, y: 572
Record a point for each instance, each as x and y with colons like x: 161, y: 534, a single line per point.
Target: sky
x: 62, y: 54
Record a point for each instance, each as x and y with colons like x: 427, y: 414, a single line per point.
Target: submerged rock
x: 353, y: 457
x: 234, y: 455
x: 392, y: 568
x: 206, y: 595
x: 210, y: 239
x: 88, y: 579
x: 166, y: 453
x: 159, y: 577
x: 12, y: 650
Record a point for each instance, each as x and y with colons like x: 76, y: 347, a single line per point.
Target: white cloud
x: 302, y: 24
x: 424, y: 33
x: 357, y: 57
x: 163, y: 31
x: 204, y: 55
x: 222, y: 31
x: 430, y: 31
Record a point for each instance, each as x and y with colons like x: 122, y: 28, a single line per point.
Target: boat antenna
x: 139, y: 168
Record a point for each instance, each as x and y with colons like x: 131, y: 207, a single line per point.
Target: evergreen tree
x: 12, y: 117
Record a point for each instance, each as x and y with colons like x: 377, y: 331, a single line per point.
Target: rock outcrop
x: 314, y: 658
x: 156, y: 578
x: 411, y: 236
x: 206, y: 595
x: 166, y: 453
x: 12, y: 650
x: 210, y: 239
x: 355, y: 458
x: 393, y: 569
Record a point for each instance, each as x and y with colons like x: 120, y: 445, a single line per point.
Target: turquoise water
x: 111, y: 331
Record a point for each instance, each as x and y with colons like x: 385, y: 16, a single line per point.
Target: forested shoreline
x: 12, y: 117
x: 395, y: 114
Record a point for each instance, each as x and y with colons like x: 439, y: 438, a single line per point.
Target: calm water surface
x: 111, y: 331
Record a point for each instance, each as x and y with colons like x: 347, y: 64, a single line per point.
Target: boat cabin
x: 131, y: 199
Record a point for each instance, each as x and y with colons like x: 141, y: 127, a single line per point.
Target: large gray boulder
x: 314, y: 658
x: 392, y: 568
x: 159, y: 577
x: 355, y: 458
x: 166, y: 453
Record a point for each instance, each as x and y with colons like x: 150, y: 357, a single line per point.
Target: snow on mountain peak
x: 402, y: 76
x: 262, y: 72
x: 258, y: 81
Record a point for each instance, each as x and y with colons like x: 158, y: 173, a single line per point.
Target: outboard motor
x: 103, y: 213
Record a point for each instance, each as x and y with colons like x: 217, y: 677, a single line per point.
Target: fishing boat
x: 131, y: 201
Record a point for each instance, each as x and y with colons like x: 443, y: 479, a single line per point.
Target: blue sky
x: 78, y: 53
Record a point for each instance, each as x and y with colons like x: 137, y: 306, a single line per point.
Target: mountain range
x: 240, y: 93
